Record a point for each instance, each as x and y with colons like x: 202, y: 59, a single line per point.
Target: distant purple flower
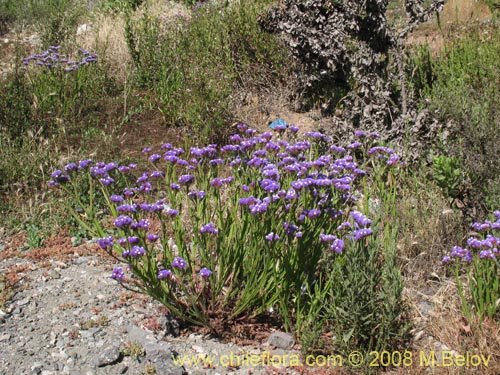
x: 105, y: 243
x: 147, y: 150
x: 141, y: 224
x: 129, y: 192
x: 360, y: 133
x: 486, y: 254
x: 127, y: 208
x: 298, y: 235
x: 338, y: 149
x: 327, y: 237
x: 185, y: 179
x: 269, y: 185
x: 209, y: 228
x: 272, y: 237
x: 133, y: 240
x: 354, y: 145
x: 84, y: 163
x: 116, y: 198
x: 107, y: 180
x: 446, y: 259
x: 258, y: 208
x: 117, y: 274
x: 154, y: 158
x: 293, y: 129
x: 164, y: 274
x: 480, y: 226
x: 70, y: 167
x: 175, y: 186
x: 123, y: 221
x: 360, y: 218
x: 152, y: 237
x: 205, y: 272
x: 337, y: 245
x: 362, y: 233
x: 180, y: 263
x: 137, y: 251
x: 373, y: 135
x: 172, y: 212
x: 314, y: 135
x: 458, y: 252
x: 313, y: 213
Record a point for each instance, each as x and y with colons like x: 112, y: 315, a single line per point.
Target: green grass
x: 462, y: 86
x: 193, y: 69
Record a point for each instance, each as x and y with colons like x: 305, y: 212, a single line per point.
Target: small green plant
x: 149, y: 369
x: 480, y: 262
x: 447, y: 172
x: 132, y: 349
x: 101, y: 321
x: 34, y: 236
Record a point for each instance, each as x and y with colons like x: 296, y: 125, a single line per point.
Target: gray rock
x: 109, y: 356
x: 281, y: 340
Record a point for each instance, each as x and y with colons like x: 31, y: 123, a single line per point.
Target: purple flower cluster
x: 53, y: 60
x: 486, y: 248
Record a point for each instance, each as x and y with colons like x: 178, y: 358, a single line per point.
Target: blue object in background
x: 278, y: 124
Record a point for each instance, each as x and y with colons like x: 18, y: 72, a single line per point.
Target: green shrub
x: 462, y: 87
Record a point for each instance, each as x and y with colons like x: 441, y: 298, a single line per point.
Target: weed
x: 132, y: 349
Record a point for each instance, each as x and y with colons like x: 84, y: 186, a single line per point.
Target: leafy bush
x: 193, y: 66
x: 262, y: 226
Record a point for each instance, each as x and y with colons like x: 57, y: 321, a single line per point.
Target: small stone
x: 23, y: 302
x: 109, y: 356
x: 281, y: 340
x: 5, y: 337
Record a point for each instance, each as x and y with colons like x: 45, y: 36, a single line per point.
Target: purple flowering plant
x: 239, y: 228
x: 62, y: 83
x: 479, y: 259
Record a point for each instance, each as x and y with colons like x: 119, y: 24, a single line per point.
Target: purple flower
x: 486, y: 254
x: 127, y: 208
x: 137, y: 251
x: 147, y: 150
x: 458, y: 252
x: 172, y: 212
x: 141, y: 224
x: 117, y: 274
x: 313, y: 213
x: 360, y: 133
x: 152, y: 237
x: 185, y: 179
x: 259, y: 207
x: 362, y: 233
x: 164, y: 274
x: 446, y: 259
x: 269, y: 185
x: 84, y: 163
x: 116, y: 198
x: 175, y: 186
x: 180, y: 263
x: 272, y: 237
x: 360, y: 218
x: 154, y: 158
x: 105, y: 243
x: 123, y: 221
x: 354, y: 145
x: 133, y: 240
x: 209, y: 228
x: 70, y: 167
x: 205, y: 272
x: 337, y: 246
x: 327, y: 237
x: 106, y: 181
